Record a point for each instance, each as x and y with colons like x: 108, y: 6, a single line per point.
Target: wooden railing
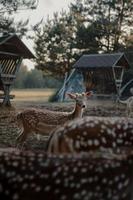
x: 2, y: 96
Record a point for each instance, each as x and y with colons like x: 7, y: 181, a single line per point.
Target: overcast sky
x: 45, y: 8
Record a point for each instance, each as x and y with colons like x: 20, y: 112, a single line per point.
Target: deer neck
x: 77, y: 112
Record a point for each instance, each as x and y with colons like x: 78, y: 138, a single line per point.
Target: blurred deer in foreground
x: 91, y: 133
x: 28, y: 175
x: 43, y: 122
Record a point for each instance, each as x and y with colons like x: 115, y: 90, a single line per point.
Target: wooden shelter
x: 103, y: 72
x: 12, y: 52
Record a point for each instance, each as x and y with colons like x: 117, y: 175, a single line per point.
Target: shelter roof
x: 102, y: 61
x: 12, y: 46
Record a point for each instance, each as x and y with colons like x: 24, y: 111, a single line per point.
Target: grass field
x: 35, y: 95
x: 30, y: 97
x: 40, y: 97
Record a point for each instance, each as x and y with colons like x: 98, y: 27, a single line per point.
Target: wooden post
x: 18, y: 65
x: 118, y: 81
x: 7, y: 86
x: 6, y: 101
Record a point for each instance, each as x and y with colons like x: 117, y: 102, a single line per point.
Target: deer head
x: 80, y: 98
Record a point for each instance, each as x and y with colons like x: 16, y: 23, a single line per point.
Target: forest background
x: 88, y: 27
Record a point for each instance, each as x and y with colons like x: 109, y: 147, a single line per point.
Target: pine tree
x: 89, y: 27
x: 54, y: 45
x: 7, y: 21
x: 114, y: 21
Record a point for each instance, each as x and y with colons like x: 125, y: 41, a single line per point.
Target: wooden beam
x: 8, y: 76
x: 118, y: 81
x: 2, y: 96
x: 18, y: 65
x: 9, y: 54
x: 12, y: 67
x: 7, y: 82
x: 6, y: 100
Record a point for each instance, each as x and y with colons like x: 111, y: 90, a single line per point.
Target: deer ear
x: 72, y: 96
x: 88, y: 94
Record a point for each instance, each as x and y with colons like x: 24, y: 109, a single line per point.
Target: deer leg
x: 53, y: 146
x: 20, y: 140
x: 57, y: 145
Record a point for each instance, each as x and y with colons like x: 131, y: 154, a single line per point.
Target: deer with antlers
x: 44, y: 121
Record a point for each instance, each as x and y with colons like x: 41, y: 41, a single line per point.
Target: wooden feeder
x: 12, y: 52
x: 103, y: 72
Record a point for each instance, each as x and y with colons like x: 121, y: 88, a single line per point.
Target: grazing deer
x: 29, y: 175
x: 91, y: 133
x: 43, y: 122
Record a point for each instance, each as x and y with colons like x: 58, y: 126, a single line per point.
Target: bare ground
x: 9, y: 129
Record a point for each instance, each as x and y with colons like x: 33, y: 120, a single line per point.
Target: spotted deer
x: 36, y: 175
x: 44, y: 121
x: 90, y: 134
